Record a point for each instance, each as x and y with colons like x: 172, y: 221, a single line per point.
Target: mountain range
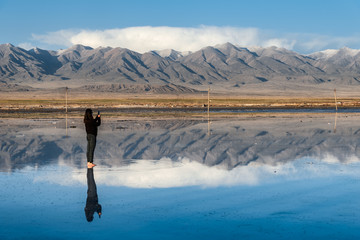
x: 226, y: 143
x: 224, y: 67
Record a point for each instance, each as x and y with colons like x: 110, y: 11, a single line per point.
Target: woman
x: 91, y: 125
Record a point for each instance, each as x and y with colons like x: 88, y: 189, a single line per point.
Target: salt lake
x: 284, y: 177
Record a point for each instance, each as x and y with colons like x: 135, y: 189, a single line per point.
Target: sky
x: 304, y: 26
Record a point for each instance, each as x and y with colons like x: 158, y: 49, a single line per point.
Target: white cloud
x: 314, y: 42
x: 147, y: 38
x: 26, y: 45
x: 278, y: 42
x: 62, y: 37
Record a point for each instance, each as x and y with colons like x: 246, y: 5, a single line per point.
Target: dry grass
x: 114, y: 105
x: 177, y: 102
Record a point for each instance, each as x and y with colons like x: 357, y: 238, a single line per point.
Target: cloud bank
x: 147, y: 38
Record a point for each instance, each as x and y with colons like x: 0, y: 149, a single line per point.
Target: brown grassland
x: 52, y: 104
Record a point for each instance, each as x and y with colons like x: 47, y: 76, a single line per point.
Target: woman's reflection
x: 92, y: 204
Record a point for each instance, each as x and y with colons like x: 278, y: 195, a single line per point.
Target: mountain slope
x: 19, y: 64
x: 223, y: 67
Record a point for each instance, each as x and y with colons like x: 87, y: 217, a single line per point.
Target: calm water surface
x: 252, y: 178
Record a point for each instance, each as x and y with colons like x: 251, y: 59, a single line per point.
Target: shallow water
x: 253, y: 178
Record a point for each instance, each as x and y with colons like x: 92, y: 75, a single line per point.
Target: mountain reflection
x: 232, y: 143
x: 92, y: 204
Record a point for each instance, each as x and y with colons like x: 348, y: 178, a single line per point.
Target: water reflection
x: 92, y: 202
x: 232, y: 143
x: 283, y: 177
x: 165, y: 173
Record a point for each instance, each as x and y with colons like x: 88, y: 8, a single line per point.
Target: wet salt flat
x: 252, y: 178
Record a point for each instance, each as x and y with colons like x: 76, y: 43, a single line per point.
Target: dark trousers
x: 91, y: 139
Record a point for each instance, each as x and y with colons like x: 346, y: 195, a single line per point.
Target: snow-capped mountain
x: 344, y: 60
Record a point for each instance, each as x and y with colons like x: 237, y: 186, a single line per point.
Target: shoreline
x: 186, y: 106
x: 180, y: 113
x: 158, y: 102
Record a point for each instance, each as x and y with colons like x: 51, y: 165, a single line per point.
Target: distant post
x: 208, y: 105
x: 66, y: 98
x: 335, y: 100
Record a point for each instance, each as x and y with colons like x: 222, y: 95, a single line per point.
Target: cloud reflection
x: 165, y: 173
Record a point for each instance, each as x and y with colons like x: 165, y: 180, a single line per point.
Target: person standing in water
x: 91, y: 126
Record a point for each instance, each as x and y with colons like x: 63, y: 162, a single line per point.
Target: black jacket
x: 91, y: 125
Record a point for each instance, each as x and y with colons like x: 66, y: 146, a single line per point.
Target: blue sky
x: 303, y: 26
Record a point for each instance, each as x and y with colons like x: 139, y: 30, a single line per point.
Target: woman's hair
x: 88, y: 115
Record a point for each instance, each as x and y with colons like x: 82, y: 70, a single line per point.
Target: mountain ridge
x: 227, y: 67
